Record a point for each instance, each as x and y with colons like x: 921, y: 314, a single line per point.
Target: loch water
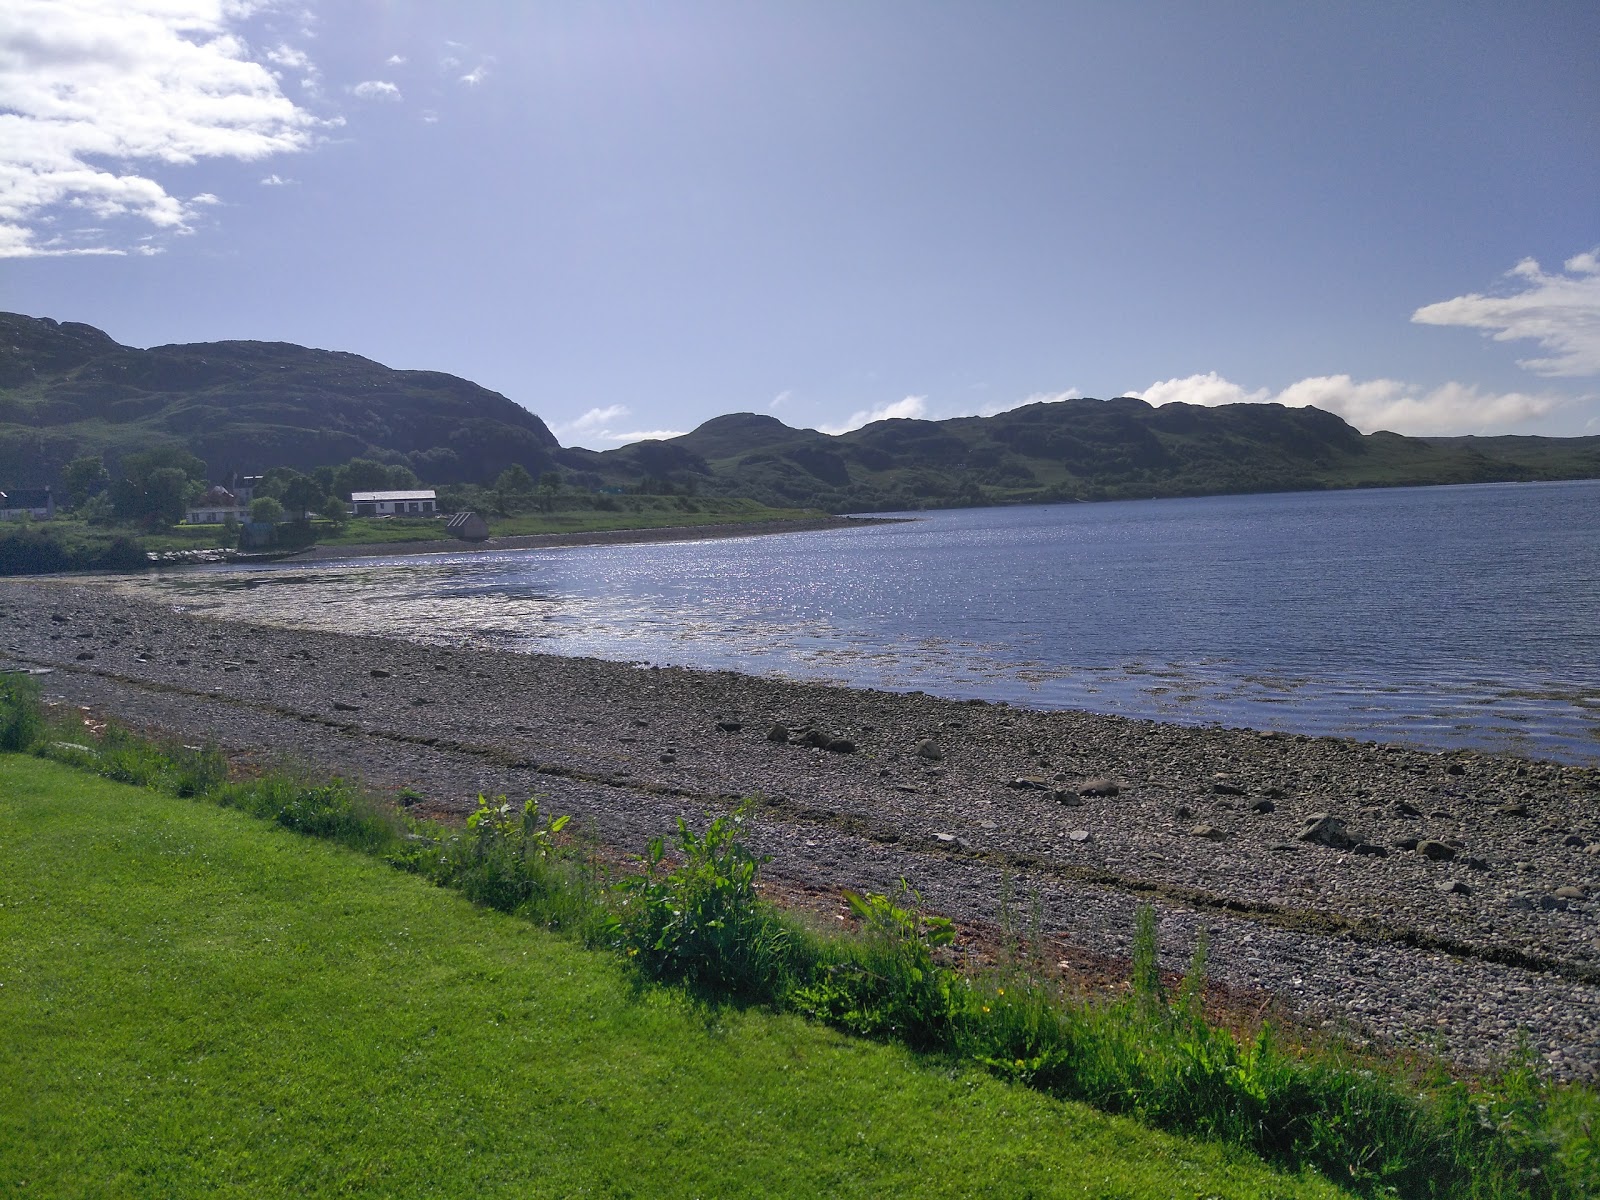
x: 1441, y: 617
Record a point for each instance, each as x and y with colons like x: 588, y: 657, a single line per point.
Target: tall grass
x: 691, y: 914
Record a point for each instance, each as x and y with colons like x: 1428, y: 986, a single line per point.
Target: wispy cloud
x: 780, y: 399
x: 598, y: 426
x: 275, y: 180
x: 918, y: 408
x: 475, y: 76
x: 1559, y: 311
x: 96, y: 93
x: 912, y: 407
x: 376, y: 89
x: 1372, y: 404
x: 395, y: 60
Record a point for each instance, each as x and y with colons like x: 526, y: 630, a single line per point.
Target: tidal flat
x: 1455, y: 904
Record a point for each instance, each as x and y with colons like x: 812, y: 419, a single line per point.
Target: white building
x: 37, y: 504
x: 216, y: 507
x: 417, y: 502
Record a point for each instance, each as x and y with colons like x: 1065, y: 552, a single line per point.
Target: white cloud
x: 376, y: 89
x: 275, y: 180
x: 644, y: 435
x: 1371, y: 404
x: 596, y: 426
x: 475, y: 76
x: 94, y: 91
x: 1561, y: 312
x: 395, y: 60
x: 780, y: 399
x: 285, y: 55
x: 912, y: 407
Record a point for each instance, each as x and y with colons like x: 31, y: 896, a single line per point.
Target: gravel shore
x: 1451, y: 900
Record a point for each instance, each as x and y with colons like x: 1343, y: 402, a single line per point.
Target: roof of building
x: 424, y: 494
x: 216, y: 497
x: 25, y: 498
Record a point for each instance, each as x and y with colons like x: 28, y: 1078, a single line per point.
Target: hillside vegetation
x: 1075, y: 450
x: 68, y: 391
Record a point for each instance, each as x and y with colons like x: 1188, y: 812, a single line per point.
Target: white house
x: 417, y: 502
x: 38, y: 504
x: 216, y: 507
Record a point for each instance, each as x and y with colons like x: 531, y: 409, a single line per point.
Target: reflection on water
x: 1438, y: 616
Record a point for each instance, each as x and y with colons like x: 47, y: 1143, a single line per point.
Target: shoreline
x: 1092, y: 814
x: 597, y: 537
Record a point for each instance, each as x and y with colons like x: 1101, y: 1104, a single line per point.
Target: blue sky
x: 633, y: 217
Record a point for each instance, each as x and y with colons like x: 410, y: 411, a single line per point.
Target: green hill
x: 1079, y: 449
x: 68, y: 390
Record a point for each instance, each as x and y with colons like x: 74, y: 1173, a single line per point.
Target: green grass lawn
x: 197, y: 1003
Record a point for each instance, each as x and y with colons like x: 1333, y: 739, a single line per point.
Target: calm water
x: 1437, y: 616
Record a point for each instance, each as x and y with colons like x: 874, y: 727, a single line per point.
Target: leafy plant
x: 504, y: 858
x: 21, y: 722
x: 701, y: 922
x: 888, y: 983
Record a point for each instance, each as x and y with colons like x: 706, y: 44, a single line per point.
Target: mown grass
x: 691, y: 916
x: 197, y: 1004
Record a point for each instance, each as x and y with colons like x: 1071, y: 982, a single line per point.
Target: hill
x: 1081, y: 449
x: 68, y: 390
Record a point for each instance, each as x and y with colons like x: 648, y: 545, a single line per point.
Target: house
x: 217, y: 507
x: 244, y: 488
x: 468, y: 526
x: 20, y: 503
x: 417, y: 502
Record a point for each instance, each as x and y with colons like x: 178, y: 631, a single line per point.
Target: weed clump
x: 21, y: 719
x: 701, y: 922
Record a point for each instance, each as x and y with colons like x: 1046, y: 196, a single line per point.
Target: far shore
x: 592, y: 537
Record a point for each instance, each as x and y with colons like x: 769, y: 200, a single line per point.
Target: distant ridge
x: 1080, y: 449
x: 68, y: 389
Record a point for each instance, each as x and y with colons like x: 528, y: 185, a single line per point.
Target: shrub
x: 702, y: 923
x: 508, y: 858
x: 886, y: 983
x: 21, y: 721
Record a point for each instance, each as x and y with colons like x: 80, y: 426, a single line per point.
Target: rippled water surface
x: 1436, y: 616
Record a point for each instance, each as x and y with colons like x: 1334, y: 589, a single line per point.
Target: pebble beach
x: 1447, y: 902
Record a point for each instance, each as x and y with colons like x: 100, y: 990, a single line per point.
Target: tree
x: 512, y: 488
x: 301, y: 494
x: 265, y: 510
x: 85, y: 477
x: 549, y: 486
x: 158, y: 485
x: 167, y: 492
x: 402, y: 477
x: 361, y: 475
x: 337, y: 512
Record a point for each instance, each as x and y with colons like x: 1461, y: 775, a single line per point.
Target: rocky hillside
x: 1073, y: 450
x: 68, y: 390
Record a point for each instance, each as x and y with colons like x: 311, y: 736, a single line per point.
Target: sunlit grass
x: 196, y: 1003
